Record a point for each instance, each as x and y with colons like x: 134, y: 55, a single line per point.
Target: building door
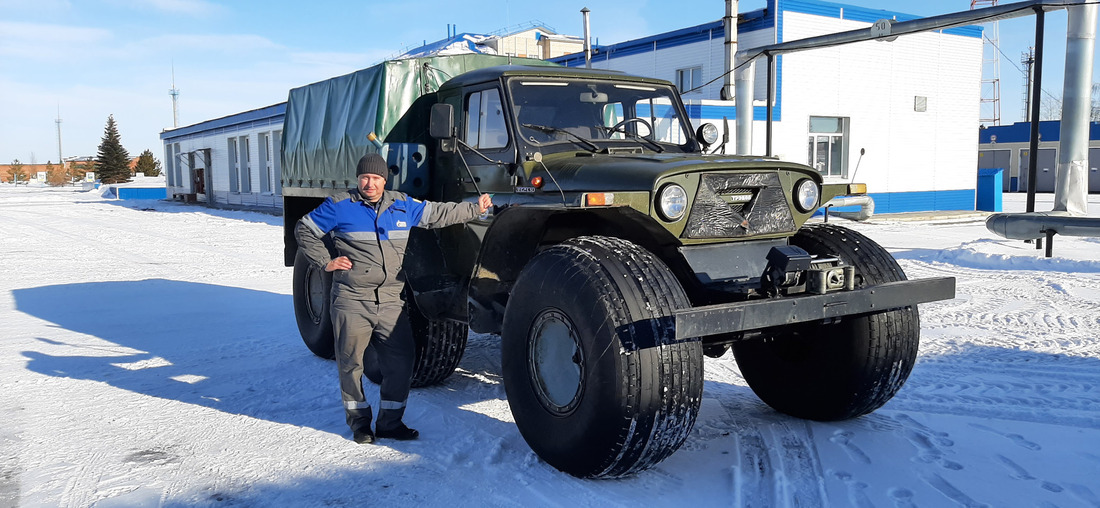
x: 200, y: 181
x: 1094, y: 170
x: 990, y: 159
x: 1044, y: 178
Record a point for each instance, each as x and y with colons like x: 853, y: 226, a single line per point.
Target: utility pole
x: 58, y: 122
x: 1028, y: 59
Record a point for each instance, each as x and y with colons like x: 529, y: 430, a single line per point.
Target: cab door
x: 486, y: 147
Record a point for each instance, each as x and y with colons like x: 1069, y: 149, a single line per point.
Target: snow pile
x: 150, y: 358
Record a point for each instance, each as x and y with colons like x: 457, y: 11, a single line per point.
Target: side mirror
x: 442, y: 123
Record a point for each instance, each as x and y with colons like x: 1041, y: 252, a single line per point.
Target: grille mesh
x: 713, y: 216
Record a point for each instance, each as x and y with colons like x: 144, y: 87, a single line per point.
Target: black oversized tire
x: 311, y: 290
x: 440, y: 345
x: 596, y: 381
x: 842, y: 370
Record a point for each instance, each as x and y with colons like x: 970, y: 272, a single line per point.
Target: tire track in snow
x: 777, y: 461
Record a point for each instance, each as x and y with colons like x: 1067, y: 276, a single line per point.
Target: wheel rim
x: 315, y: 293
x: 556, y: 362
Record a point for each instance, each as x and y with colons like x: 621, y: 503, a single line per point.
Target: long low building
x: 232, y: 161
x: 1008, y: 147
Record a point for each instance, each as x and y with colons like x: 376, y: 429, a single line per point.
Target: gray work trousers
x: 384, y: 327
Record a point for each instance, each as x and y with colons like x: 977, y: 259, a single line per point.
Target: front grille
x: 739, y: 205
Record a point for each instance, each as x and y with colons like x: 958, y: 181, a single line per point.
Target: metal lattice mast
x: 58, y: 122
x: 175, y: 93
x: 991, y: 69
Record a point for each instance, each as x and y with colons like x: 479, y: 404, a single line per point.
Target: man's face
x: 371, y: 186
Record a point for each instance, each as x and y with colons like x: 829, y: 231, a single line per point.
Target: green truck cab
x: 619, y: 252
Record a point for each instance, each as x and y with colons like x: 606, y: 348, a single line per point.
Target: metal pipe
x: 943, y: 21
x: 1037, y: 225
x: 746, y: 78
x: 771, y: 101
x: 1036, y: 95
x: 729, y: 24
x: 866, y: 204
x: 1071, y: 184
x: 587, y: 40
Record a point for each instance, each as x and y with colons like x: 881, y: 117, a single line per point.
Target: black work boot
x: 364, y: 436
x: 400, y: 433
x: 359, y: 421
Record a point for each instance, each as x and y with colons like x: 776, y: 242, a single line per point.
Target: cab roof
x: 494, y: 73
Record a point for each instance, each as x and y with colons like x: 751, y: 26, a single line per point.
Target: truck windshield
x: 590, y: 113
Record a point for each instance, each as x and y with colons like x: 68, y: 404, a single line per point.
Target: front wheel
x: 311, y: 303
x: 596, y: 381
x: 842, y: 370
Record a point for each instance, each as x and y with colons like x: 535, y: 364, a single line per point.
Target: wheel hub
x: 556, y: 362
x: 315, y: 293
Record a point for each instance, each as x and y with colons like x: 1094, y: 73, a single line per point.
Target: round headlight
x: 672, y: 202
x: 805, y: 195
x: 708, y: 133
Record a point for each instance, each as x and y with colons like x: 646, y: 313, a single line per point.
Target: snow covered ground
x: 149, y: 357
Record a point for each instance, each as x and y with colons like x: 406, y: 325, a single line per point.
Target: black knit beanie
x: 372, y: 163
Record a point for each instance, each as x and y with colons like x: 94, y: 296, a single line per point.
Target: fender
x: 518, y: 233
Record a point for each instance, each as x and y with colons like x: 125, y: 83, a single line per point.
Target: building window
x: 170, y: 162
x: 267, y: 166
x: 245, y: 166
x: 178, y: 169
x: 234, y: 166
x: 828, y: 146
x: 276, y: 156
x: 689, y: 79
x: 485, y: 125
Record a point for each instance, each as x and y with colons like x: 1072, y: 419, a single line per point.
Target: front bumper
x: 773, y: 312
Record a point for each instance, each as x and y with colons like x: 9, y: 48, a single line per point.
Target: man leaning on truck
x: 370, y: 228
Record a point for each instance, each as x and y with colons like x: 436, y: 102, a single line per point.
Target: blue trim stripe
x: 866, y: 15
x: 919, y: 201
x: 699, y: 112
x: 752, y: 21
x: 1020, y: 132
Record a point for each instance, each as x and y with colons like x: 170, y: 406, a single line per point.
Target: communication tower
x: 991, y: 69
x: 175, y: 93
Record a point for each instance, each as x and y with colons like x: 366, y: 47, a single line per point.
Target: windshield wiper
x: 550, y: 130
x: 625, y: 132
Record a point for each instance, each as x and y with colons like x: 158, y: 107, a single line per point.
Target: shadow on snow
x: 227, y: 348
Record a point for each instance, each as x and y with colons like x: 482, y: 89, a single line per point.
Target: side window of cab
x: 485, y: 124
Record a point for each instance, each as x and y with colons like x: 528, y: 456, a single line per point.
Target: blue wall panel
x: 142, y: 193
x: 923, y: 201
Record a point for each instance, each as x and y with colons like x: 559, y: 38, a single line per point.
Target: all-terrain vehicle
x: 619, y: 253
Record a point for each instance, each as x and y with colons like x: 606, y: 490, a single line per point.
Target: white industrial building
x: 911, y: 104
x: 233, y: 160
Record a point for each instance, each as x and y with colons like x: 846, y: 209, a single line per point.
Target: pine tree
x: 112, y: 165
x: 148, y: 164
x: 81, y: 170
x: 55, y: 175
x: 18, y: 175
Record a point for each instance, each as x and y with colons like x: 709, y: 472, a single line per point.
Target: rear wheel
x: 842, y: 370
x: 440, y: 345
x: 311, y: 306
x: 596, y: 381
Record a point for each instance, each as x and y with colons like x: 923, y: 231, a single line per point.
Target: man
x: 370, y: 227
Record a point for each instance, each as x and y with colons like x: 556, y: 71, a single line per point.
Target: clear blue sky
x: 93, y: 58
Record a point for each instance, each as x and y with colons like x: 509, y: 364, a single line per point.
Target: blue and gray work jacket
x: 374, y: 239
